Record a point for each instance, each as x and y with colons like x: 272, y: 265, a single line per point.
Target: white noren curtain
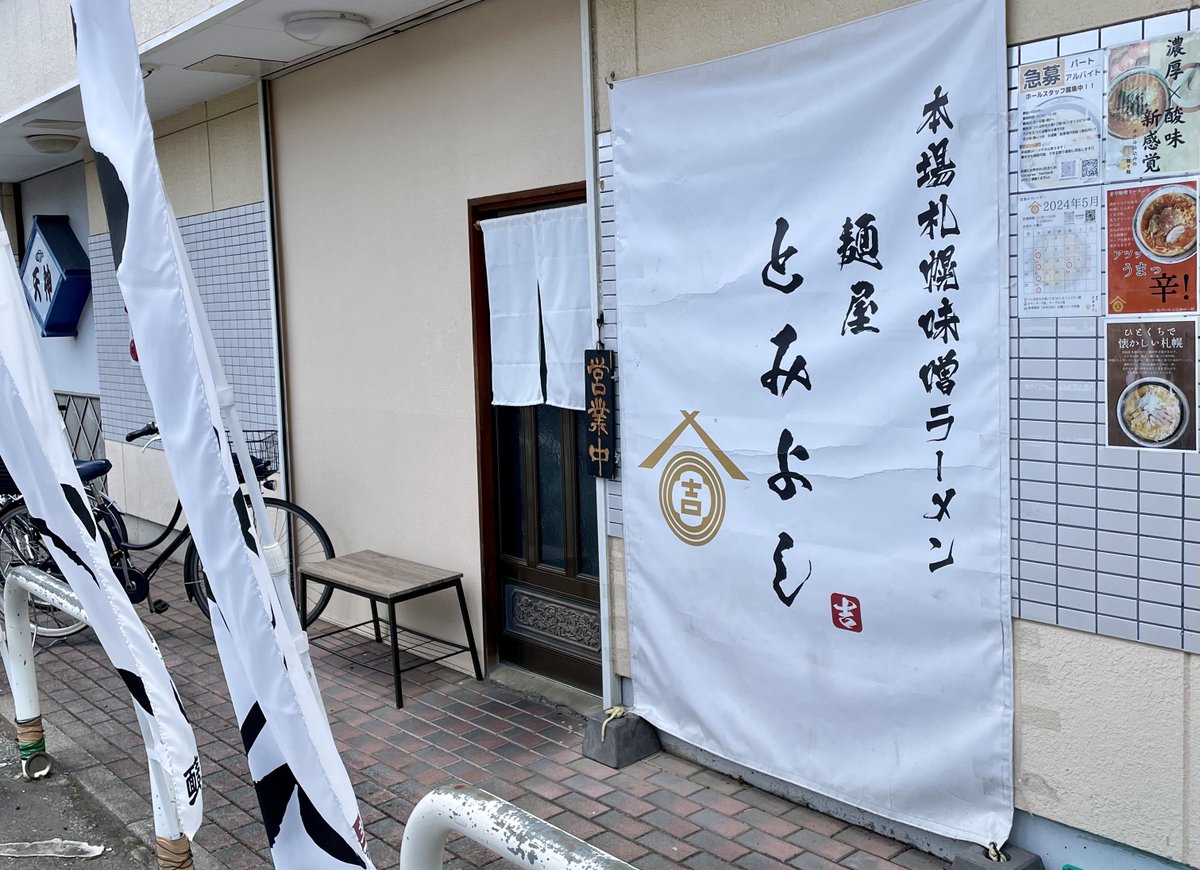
x: 539, y: 253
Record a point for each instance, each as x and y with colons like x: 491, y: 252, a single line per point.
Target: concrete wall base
x: 976, y: 858
x: 618, y: 742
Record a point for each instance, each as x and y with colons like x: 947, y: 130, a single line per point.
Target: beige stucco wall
x: 1107, y: 731
x: 39, y: 55
x: 377, y: 153
x: 636, y: 37
x: 210, y: 155
x: 1106, y: 737
x: 36, y: 47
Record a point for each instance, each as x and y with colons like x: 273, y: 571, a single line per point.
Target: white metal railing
x: 16, y: 649
x: 509, y: 831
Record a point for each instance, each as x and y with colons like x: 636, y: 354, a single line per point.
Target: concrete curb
x: 101, y: 784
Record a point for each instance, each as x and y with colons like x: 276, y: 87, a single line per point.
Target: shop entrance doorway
x: 541, y: 552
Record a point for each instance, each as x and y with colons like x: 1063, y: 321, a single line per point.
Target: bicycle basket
x: 263, y: 445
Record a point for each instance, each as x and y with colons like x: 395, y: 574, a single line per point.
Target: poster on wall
x: 1059, y: 238
x: 814, y: 411
x: 1151, y: 384
x: 1151, y: 248
x: 1152, y: 104
x: 1061, y: 102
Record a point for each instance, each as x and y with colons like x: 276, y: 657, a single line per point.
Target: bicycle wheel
x: 20, y: 544
x: 302, y: 541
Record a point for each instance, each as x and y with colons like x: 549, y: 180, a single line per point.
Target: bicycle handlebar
x: 150, y: 428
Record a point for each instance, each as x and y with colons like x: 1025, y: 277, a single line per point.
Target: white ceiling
x: 252, y: 29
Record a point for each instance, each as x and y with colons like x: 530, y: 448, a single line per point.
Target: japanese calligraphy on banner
x: 1061, y: 102
x: 814, y: 411
x: 1153, y: 97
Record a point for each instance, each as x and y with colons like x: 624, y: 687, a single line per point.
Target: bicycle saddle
x: 90, y: 469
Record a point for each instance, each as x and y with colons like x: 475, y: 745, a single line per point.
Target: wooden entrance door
x: 540, y: 545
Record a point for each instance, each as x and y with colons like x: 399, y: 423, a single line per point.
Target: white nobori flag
x: 33, y: 444
x: 307, y: 802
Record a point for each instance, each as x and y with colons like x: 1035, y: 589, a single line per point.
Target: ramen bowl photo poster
x: 1152, y: 248
x: 1150, y: 393
x: 1152, y: 100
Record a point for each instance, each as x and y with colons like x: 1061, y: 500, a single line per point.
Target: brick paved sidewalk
x: 659, y: 813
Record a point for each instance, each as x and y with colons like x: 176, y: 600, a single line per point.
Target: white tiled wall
x: 228, y: 253
x: 1103, y: 540
x: 608, y: 290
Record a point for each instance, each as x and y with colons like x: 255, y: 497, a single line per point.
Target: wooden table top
x: 378, y: 574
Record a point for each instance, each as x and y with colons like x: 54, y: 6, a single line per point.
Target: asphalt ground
x: 58, y: 807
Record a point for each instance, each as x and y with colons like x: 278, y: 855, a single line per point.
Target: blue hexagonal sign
x: 56, y: 275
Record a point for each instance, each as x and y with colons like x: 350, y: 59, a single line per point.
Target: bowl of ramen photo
x: 1164, y: 223
x: 1133, y: 96
x: 1153, y: 412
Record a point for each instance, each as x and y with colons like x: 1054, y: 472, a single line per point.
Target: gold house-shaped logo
x: 690, y: 492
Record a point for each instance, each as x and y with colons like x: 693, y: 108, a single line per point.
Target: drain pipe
x: 610, y: 688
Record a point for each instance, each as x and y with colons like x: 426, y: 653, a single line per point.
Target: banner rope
x: 31, y: 739
x: 174, y: 854
x: 30, y: 748
x: 613, y: 713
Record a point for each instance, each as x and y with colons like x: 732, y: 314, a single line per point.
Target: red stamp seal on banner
x: 846, y: 611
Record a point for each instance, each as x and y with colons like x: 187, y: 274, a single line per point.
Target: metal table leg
x: 395, y: 652
x: 462, y: 606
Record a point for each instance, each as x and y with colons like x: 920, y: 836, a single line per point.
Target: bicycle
x: 299, y: 534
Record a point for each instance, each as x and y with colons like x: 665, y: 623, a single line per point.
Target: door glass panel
x: 589, y: 551
x: 550, y: 487
x: 510, y: 460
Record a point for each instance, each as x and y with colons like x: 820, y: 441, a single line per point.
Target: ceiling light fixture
x: 52, y: 143
x: 326, y: 29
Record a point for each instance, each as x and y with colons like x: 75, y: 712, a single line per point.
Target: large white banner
x: 811, y: 261
x: 307, y: 802
x: 33, y: 444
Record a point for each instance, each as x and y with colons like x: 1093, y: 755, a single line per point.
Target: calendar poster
x: 1059, y: 253
x: 1061, y: 102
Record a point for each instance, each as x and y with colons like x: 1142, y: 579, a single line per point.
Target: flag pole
x: 277, y: 560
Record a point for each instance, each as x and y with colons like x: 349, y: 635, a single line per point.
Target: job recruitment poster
x: 814, y: 446
x: 1060, y: 103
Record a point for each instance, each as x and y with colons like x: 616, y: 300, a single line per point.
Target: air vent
x: 238, y: 66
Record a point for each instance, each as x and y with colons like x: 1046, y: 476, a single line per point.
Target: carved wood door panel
x: 548, y: 549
